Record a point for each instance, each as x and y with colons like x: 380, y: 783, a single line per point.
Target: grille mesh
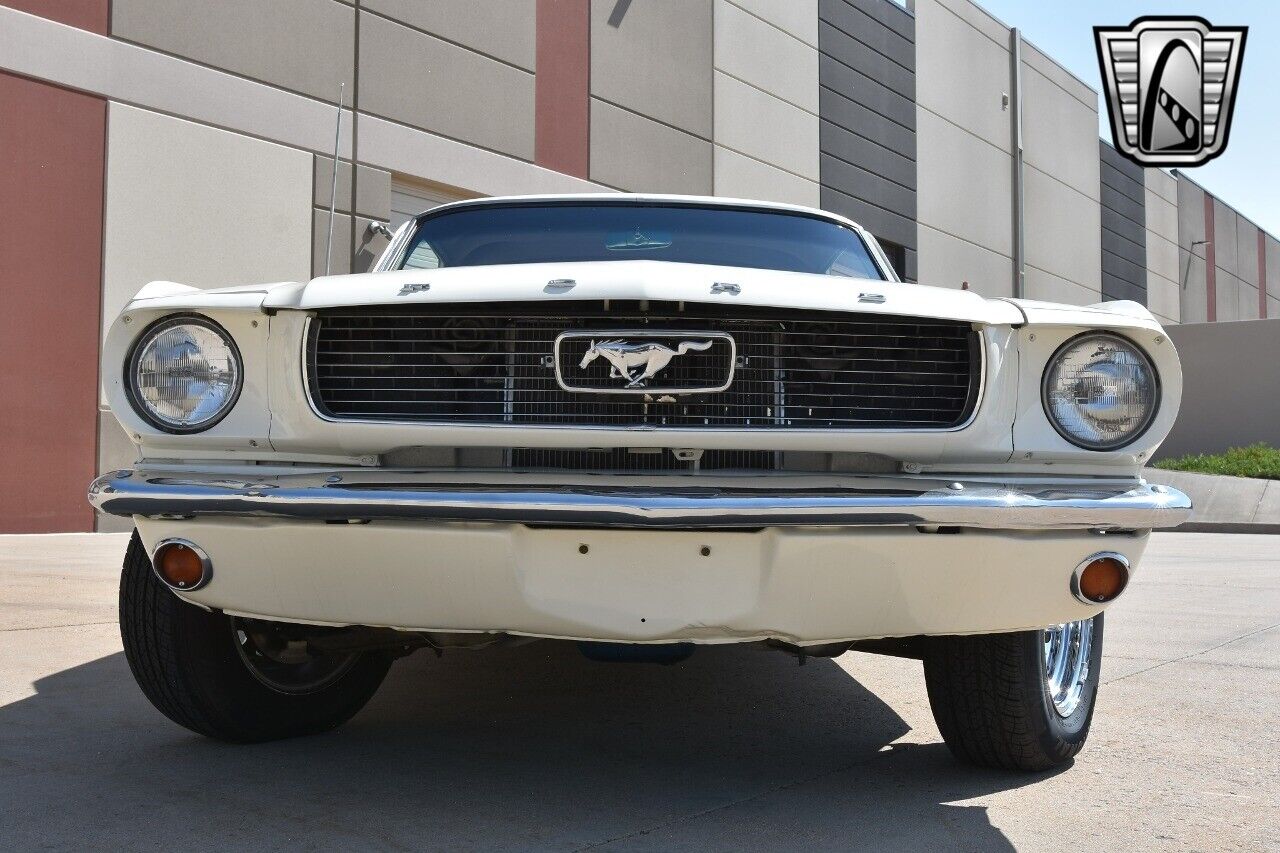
x: 494, y: 364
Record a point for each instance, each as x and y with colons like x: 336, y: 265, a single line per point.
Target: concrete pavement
x: 537, y: 748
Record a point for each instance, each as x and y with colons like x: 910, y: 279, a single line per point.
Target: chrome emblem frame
x: 1170, y: 85
x: 632, y: 363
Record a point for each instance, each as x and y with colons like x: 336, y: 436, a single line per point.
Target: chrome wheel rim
x: 1067, y: 650
x: 282, y: 663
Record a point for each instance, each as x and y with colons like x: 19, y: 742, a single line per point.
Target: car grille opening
x: 495, y: 364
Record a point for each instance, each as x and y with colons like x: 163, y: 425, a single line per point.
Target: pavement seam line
x: 47, y: 627
x: 1195, y: 654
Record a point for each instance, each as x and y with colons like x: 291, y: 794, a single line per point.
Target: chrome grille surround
x: 493, y: 364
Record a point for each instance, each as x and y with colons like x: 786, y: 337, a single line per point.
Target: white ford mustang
x: 639, y: 423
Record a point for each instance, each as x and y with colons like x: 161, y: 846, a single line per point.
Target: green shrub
x: 1256, y: 460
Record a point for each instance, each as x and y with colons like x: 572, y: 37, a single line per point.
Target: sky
x: 1245, y: 176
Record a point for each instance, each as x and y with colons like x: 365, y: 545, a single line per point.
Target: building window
x: 897, y: 256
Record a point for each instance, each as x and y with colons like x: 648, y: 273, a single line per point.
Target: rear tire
x: 190, y: 666
x: 995, y: 704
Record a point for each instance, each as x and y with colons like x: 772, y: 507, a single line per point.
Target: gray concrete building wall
x: 1193, y: 253
x: 1164, y: 288
x: 765, y: 123
x: 1063, y: 217
x: 867, y: 138
x: 964, y: 167
x: 1124, y: 226
x: 1231, y: 386
x: 651, y: 95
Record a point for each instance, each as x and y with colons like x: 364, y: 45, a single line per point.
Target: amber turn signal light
x: 181, y: 565
x: 1100, y: 578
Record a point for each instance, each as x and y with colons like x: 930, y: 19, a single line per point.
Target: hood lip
x: 643, y: 280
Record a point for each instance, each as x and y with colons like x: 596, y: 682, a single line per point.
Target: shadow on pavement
x: 529, y: 747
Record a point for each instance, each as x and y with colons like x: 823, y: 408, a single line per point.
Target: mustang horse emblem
x: 626, y: 357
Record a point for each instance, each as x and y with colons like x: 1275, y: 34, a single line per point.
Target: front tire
x: 204, y: 670
x: 1017, y: 701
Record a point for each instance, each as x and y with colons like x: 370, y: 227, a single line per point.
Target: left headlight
x: 1100, y: 391
x: 184, y: 374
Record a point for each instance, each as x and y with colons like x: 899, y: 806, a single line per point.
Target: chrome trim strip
x: 1101, y: 555
x: 905, y: 502
x: 206, y: 565
x: 606, y: 334
x: 675, y: 433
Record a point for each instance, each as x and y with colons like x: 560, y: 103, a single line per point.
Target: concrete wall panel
x: 1224, y: 238
x: 1246, y: 251
x: 795, y: 17
x: 1216, y: 415
x: 633, y: 153
x: 1273, y: 271
x: 947, y: 261
x: 766, y: 57
x: 1191, y: 258
x: 503, y: 29
x: 462, y: 94
x: 1062, y: 228
x: 965, y: 185
x: 654, y: 58
x: 472, y: 170
x: 759, y: 125
x: 737, y: 176
x: 962, y: 70
x: 258, y: 40
x: 45, y: 50
x: 201, y: 206
x: 1060, y: 134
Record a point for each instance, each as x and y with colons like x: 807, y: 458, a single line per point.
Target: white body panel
x: 802, y: 584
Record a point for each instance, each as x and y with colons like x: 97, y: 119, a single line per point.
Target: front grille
x: 495, y: 364
x: 629, y: 460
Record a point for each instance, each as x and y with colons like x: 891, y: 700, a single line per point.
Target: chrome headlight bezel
x: 1141, y: 356
x: 138, y: 348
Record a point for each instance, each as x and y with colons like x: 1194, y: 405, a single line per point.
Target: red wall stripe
x: 1210, y: 262
x: 562, y: 88
x: 92, y: 15
x: 51, y: 185
x: 1262, y: 274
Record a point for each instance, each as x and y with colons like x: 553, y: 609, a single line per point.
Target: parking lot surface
x: 536, y: 748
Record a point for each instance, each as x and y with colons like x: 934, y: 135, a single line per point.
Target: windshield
x: 603, y: 231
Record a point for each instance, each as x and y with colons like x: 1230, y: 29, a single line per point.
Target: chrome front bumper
x: 379, y: 495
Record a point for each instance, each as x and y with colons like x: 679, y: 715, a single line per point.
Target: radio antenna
x: 333, y: 189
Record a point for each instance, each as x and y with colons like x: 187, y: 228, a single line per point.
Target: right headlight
x: 184, y: 374
x: 1100, y: 391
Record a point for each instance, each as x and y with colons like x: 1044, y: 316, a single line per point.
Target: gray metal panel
x: 896, y: 105
x: 883, y: 12
x: 885, y: 40
x: 1124, y: 245
x: 865, y: 184
x: 847, y: 145
x: 878, y: 69
x: 867, y: 136
x: 884, y: 224
x: 841, y: 110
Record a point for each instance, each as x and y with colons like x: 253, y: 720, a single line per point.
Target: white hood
x: 652, y: 280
